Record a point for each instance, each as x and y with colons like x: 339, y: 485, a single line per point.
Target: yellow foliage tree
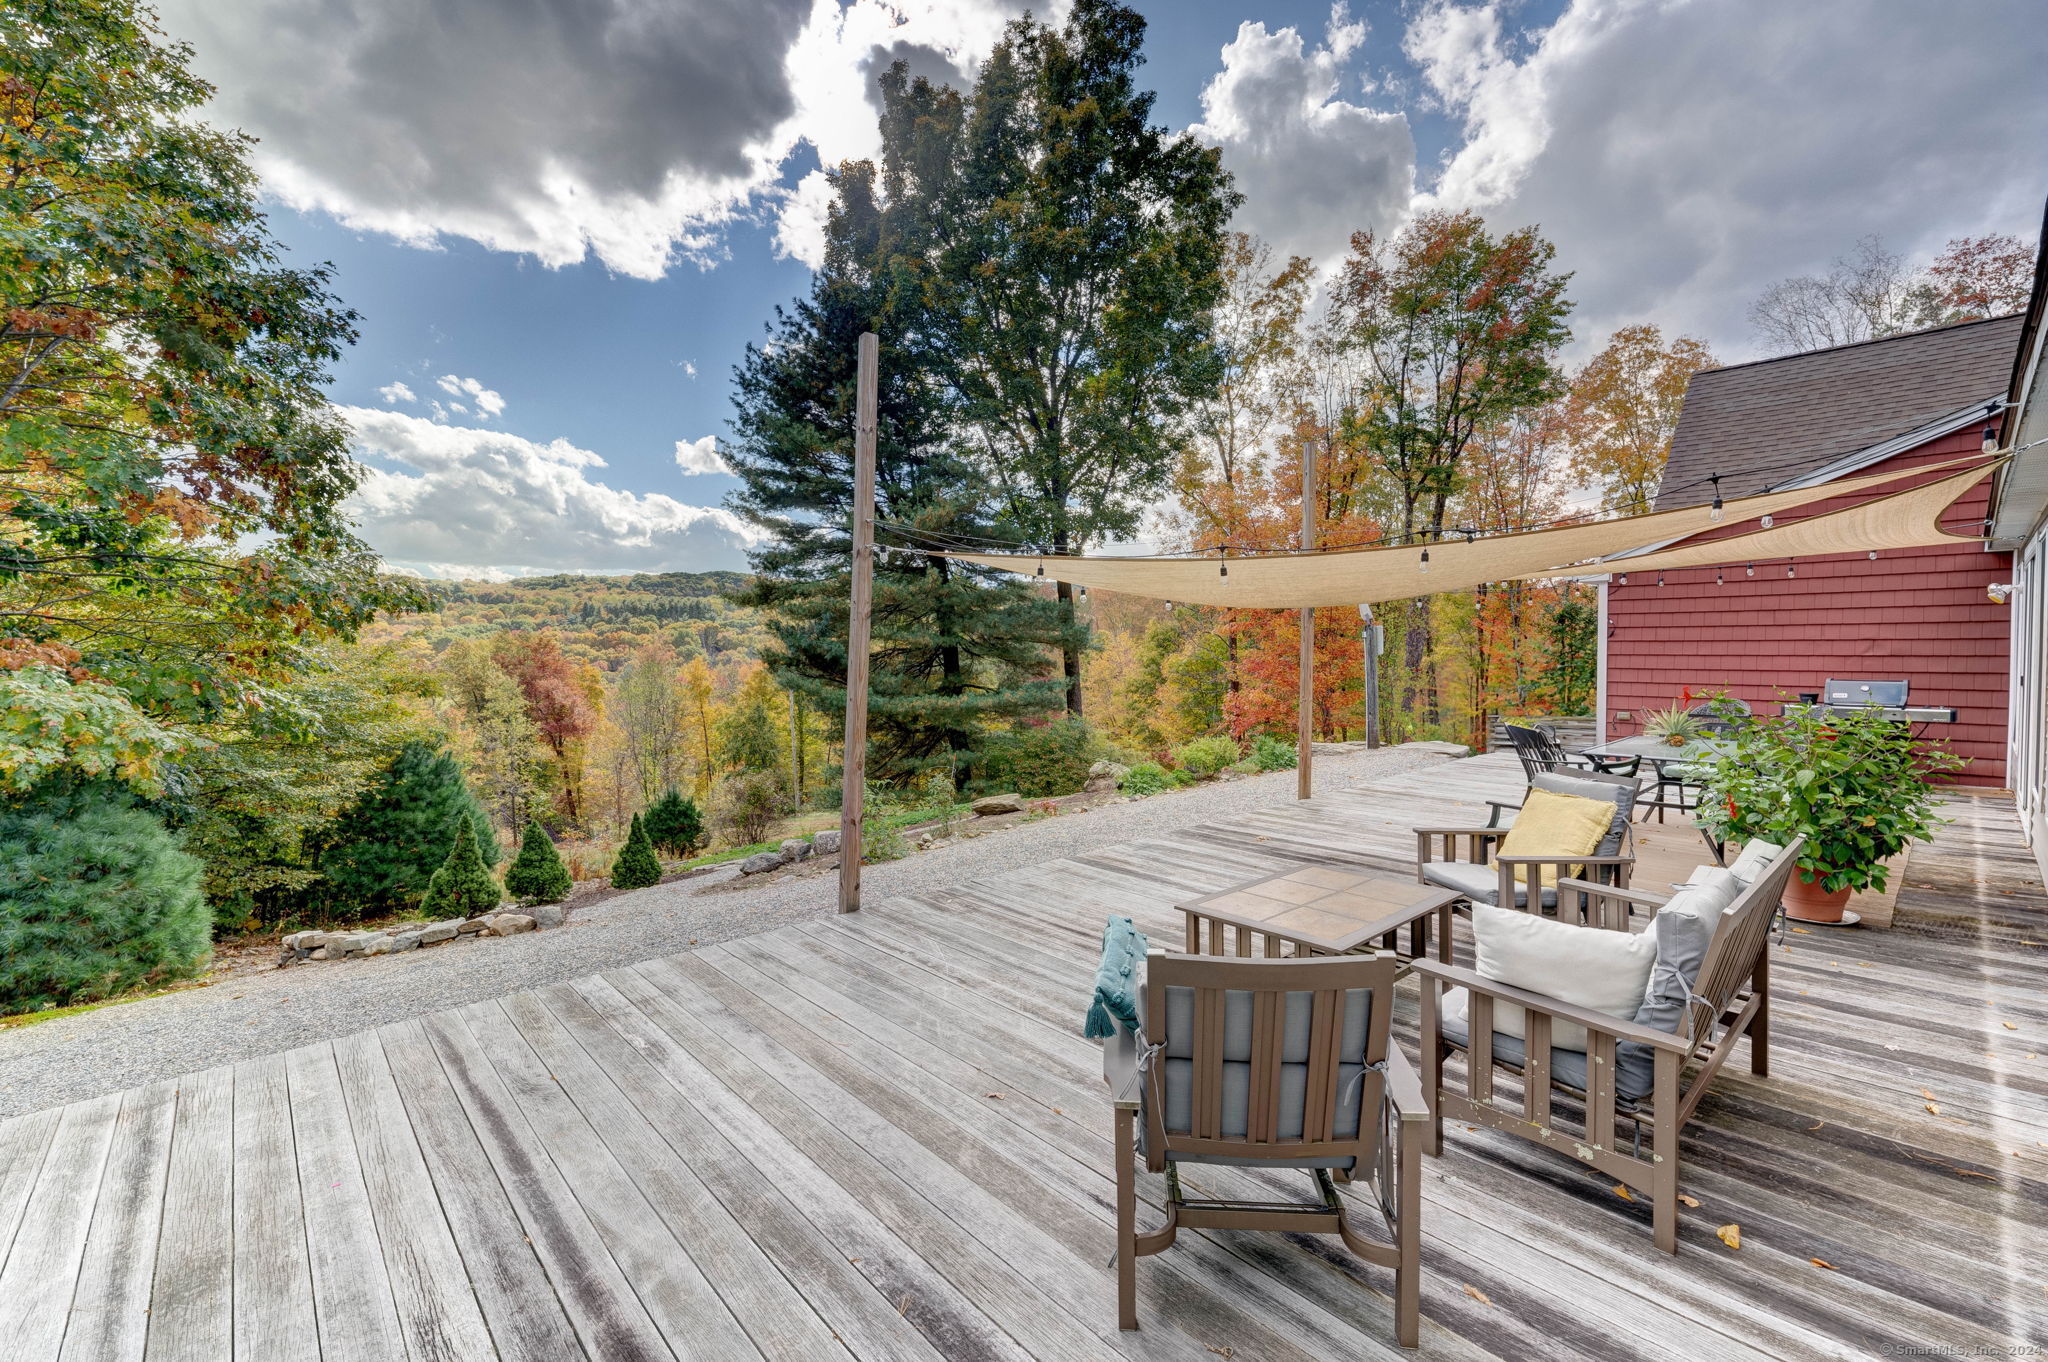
x: 1622, y: 411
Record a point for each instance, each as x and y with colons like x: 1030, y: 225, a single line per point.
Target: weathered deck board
x: 881, y: 1137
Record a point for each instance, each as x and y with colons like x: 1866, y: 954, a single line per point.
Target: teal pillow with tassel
x: 1116, y: 980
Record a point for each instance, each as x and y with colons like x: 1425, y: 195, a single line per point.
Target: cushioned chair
x: 1466, y: 859
x: 1269, y: 1064
x: 1709, y: 989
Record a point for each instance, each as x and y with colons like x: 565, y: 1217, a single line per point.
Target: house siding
x: 1921, y: 614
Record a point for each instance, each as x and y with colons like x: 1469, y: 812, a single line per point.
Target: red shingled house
x: 1773, y: 630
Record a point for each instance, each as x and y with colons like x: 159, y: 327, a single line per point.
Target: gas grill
x: 1888, y: 697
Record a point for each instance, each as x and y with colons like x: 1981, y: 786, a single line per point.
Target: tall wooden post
x: 1304, y: 719
x: 855, y: 763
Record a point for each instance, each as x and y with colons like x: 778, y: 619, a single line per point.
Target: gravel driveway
x: 112, y: 1048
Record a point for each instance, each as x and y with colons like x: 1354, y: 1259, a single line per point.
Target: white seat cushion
x: 1588, y: 967
x: 1480, y: 883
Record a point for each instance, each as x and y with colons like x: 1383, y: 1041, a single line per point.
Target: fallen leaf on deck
x: 1225, y: 1352
x: 1815, y: 1126
x: 1863, y: 965
x: 1476, y: 1294
x: 1691, y: 1201
x: 1933, y: 1110
x: 1622, y: 1192
x: 1926, y: 1094
x: 1731, y: 1235
x: 993, y: 1094
x: 2010, y: 1026
x: 1822, y: 1262
x: 1802, y: 931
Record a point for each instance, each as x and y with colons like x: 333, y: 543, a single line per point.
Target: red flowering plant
x: 1855, y: 784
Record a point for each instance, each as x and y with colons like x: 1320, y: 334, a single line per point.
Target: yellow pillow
x: 1552, y: 824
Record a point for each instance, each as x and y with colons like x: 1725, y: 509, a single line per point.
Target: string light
x: 1717, y: 577
x: 1751, y: 572
x: 1041, y: 567
x: 1660, y: 579
x: 1423, y: 566
x: 1714, y: 512
x: 1872, y: 555
x: 1624, y: 579
x: 1991, y: 439
x: 1767, y: 522
x: 1789, y: 571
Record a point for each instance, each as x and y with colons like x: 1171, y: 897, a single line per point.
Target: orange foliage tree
x: 1623, y: 410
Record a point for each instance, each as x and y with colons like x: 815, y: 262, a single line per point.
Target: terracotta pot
x: 1806, y: 901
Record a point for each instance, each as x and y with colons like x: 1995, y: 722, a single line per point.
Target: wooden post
x: 854, y: 764
x: 1373, y: 632
x: 1304, y: 719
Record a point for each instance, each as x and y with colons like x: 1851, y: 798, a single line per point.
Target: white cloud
x: 488, y: 403
x: 1684, y: 155
x: 1313, y: 168
x: 397, y: 391
x: 800, y: 226
x: 630, y: 130
x: 700, y: 456
x: 689, y: 368
x: 464, y: 501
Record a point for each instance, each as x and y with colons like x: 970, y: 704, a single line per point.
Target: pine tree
x: 954, y: 647
x: 488, y: 849
x: 380, y: 853
x: 462, y: 887
x: 637, y: 866
x: 537, y: 874
x: 675, y: 824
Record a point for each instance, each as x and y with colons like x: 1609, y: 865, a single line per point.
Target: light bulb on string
x: 1717, y: 577
x: 1423, y: 566
x: 1750, y: 571
x: 1660, y: 579
x: 1790, y: 571
x: 1624, y: 579
x: 1991, y: 439
x: 1872, y: 555
x: 1714, y: 511
x: 1767, y: 521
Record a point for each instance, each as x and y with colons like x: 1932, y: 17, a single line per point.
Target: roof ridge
x: 1857, y: 345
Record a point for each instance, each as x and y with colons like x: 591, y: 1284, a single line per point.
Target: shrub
x: 1148, y: 778
x: 637, y: 866
x: 747, y: 805
x: 881, y: 842
x: 1037, y: 760
x: 1271, y: 754
x: 462, y: 887
x: 95, y: 899
x: 380, y: 853
x: 674, y: 823
x: 1204, y: 757
x: 537, y: 874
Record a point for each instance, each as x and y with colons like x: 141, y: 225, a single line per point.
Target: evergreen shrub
x: 1038, y: 761
x: 96, y: 898
x: 1272, y: 754
x: 537, y: 874
x: 637, y: 866
x: 675, y: 824
x: 381, y: 852
x: 462, y: 887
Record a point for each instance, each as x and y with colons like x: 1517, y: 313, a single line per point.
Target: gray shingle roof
x: 1761, y: 423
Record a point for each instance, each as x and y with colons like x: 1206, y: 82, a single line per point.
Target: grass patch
x: 14, y: 1021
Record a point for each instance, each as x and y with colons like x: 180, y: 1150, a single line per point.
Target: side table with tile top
x: 1321, y: 910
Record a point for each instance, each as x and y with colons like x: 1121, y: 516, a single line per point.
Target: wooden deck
x: 883, y: 1137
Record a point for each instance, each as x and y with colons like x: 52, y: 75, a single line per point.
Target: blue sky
x: 573, y: 221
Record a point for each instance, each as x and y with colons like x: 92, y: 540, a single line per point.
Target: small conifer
x: 462, y: 887
x: 537, y: 874
x: 637, y: 866
x: 674, y: 823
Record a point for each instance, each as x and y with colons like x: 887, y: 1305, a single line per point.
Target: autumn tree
x: 1073, y: 261
x: 500, y: 746
x: 1622, y: 411
x: 1980, y: 276
x: 649, y: 707
x: 172, y: 477
x: 559, y: 702
x: 1454, y: 330
x: 1872, y: 292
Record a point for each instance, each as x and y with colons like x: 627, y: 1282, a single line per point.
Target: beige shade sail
x: 1364, y: 576
x: 1903, y: 520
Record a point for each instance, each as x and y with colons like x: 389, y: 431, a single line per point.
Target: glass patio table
x: 1672, y: 765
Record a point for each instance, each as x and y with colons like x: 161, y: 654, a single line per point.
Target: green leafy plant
x: 637, y: 866
x: 745, y: 806
x: 674, y: 823
x: 380, y: 853
x: 1271, y: 754
x: 537, y: 874
x: 1855, y: 784
x: 95, y: 899
x: 1204, y: 757
x: 1675, y: 726
x: 1037, y: 760
x: 463, y: 886
x: 882, y: 842
x: 1148, y: 778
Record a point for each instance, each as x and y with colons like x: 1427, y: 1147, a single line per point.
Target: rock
x: 472, y: 924
x: 990, y: 805
x: 546, y: 914
x: 1112, y: 771
x: 1099, y: 784
x: 305, y: 941
x: 406, y: 941
x: 766, y: 861
x: 327, y: 953
x: 509, y: 924
x: 825, y: 843
x: 795, y: 849
x: 440, y: 931
x: 349, y: 943
x: 379, y: 945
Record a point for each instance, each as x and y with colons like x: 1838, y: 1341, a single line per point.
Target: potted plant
x: 1675, y: 726
x: 1855, y: 784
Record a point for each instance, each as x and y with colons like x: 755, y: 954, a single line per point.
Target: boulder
x: 988, y: 806
x: 509, y: 924
x: 546, y: 914
x: 755, y: 865
x: 1112, y: 771
x: 439, y: 931
x: 825, y: 843
x: 305, y: 941
x: 795, y: 849
x: 472, y: 924
x: 405, y: 941
x: 379, y: 944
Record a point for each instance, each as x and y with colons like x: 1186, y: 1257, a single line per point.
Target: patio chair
x: 1721, y: 716
x: 1631, y: 1074
x: 1540, y: 751
x: 1468, y: 859
x: 1269, y: 1064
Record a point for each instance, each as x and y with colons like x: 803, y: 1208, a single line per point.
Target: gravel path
x: 112, y: 1048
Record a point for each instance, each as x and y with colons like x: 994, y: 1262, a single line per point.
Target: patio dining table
x: 1670, y: 763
